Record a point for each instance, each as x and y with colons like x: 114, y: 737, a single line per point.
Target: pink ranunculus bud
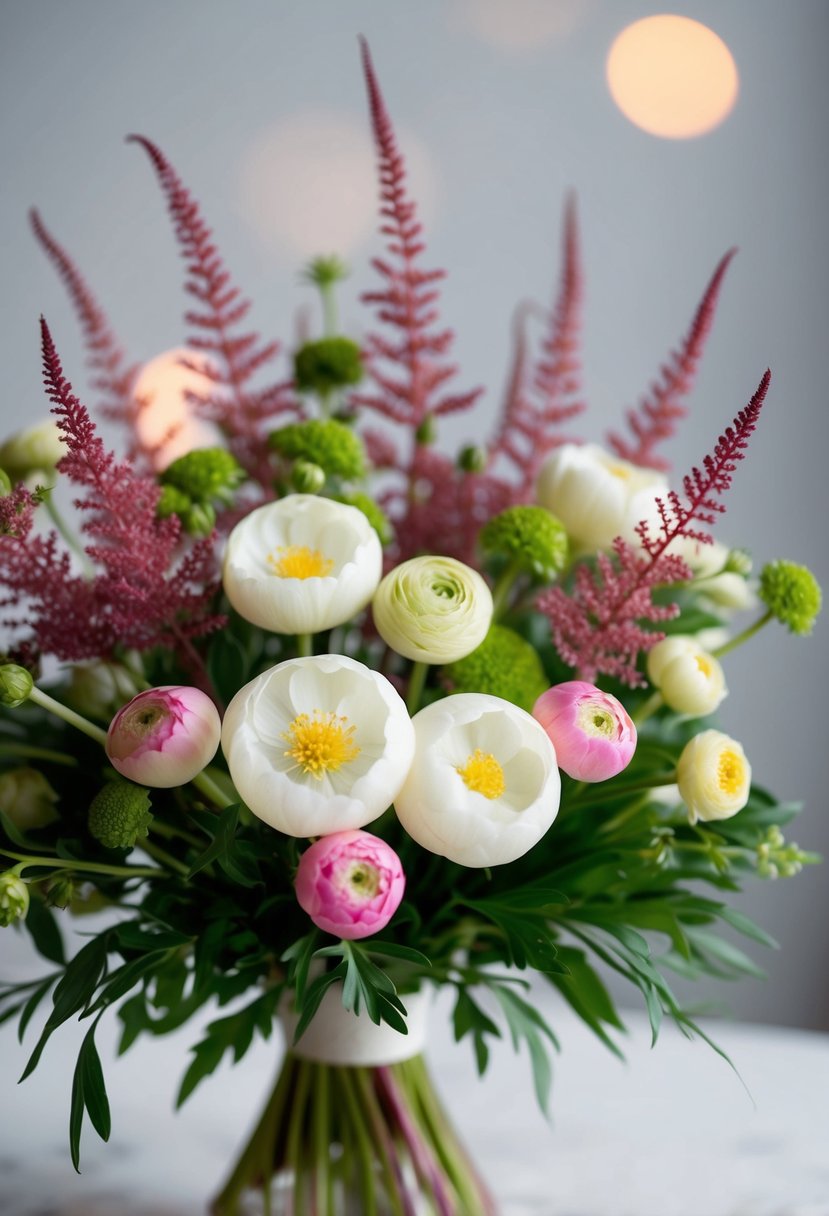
x: 591, y: 730
x: 164, y: 736
x: 350, y: 884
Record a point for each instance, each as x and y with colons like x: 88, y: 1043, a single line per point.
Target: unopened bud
x: 16, y: 684
x: 307, y: 478
x: 14, y: 898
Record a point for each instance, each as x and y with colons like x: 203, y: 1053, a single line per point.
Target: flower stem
x: 648, y: 708
x: 86, y: 867
x: 305, y: 645
x: 417, y: 681
x: 211, y: 790
x: 63, y: 711
x: 66, y: 532
x: 27, y: 751
x: 162, y: 856
x: 739, y: 638
x: 503, y: 586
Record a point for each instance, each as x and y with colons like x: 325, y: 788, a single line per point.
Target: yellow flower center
x: 619, y: 470
x: 320, y: 743
x: 298, y: 561
x: 731, y: 771
x: 703, y: 664
x: 483, y: 774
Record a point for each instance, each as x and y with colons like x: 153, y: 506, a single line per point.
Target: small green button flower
x: 504, y: 665
x: 375, y: 515
x: 205, y: 475
x: 120, y: 814
x: 792, y: 594
x: 327, y: 364
x: 325, y: 442
x: 530, y: 535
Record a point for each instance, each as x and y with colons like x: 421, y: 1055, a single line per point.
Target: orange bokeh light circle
x: 672, y: 76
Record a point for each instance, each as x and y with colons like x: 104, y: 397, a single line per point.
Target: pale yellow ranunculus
x: 690, y: 679
x: 714, y: 776
x: 433, y: 609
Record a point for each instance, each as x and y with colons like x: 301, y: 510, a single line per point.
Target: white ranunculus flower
x: 302, y: 564
x: 597, y: 496
x: 690, y: 679
x: 433, y: 609
x: 484, y: 786
x: 714, y: 776
x: 723, y: 588
x: 318, y: 745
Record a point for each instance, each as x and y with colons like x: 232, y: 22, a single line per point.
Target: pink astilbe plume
x: 655, y: 419
x: 138, y: 597
x: 414, y: 387
x: 111, y: 376
x: 541, y: 398
x: 600, y: 627
x: 232, y: 357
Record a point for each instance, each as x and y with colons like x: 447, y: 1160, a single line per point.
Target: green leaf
x: 365, y: 985
x: 222, y: 840
x: 392, y: 950
x: 312, y: 997
x: 743, y: 924
x: 16, y: 836
x: 233, y: 1033
x: 734, y: 961
x: 32, y: 1004
x: 88, y: 1094
x: 526, y: 1024
x: 587, y: 996
x: 298, y: 956
x: 73, y: 991
x: 469, y: 1018
x: 44, y: 932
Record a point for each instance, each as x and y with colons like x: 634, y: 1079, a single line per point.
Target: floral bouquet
x: 334, y: 718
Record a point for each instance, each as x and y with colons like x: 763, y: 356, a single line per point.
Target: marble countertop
x: 673, y: 1131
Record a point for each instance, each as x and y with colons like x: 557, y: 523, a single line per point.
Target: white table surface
x: 671, y: 1132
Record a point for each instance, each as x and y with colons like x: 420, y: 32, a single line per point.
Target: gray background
x: 499, y: 128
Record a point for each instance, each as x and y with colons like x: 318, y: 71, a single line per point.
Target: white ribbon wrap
x: 337, y: 1036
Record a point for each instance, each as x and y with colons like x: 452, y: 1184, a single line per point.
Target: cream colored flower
x: 597, y: 496
x: 302, y: 564
x: 433, y: 609
x: 714, y: 776
x: 318, y: 745
x: 37, y: 449
x: 690, y: 679
x: 484, y: 786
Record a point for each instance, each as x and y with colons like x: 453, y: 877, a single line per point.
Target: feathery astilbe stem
x: 407, y: 303
x: 231, y: 357
x: 541, y: 398
x: 598, y: 627
x: 138, y: 597
x: 111, y: 376
x: 655, y: 419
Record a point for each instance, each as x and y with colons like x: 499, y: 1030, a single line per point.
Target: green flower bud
x: 199, y: 519
x: 323, y: 441
x: 738, y: 562
x: 14, y: 898
x: 5, y: 483
x: 60, y: 892
x: 532, y: 535
x: 472, y: 459
x: 172, y: 502
x: 16, y: 684
x: 504, y: 665
x: 120, y: 814
x: 307, y: 477
x: 325, y: 271
x: 374, y: 514
x: 427, y: 432
x: 792, y: 593
x: 27, y: 798
x: 326, y: 364
x: 205, y: 475
x: 97, y: 688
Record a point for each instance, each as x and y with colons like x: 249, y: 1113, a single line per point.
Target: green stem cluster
x: 359, y: 1141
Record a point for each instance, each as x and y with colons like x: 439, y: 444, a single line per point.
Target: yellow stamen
x: 298, y: 561
x: 483, y: 774
x: 703, y: 664
x: 619, y: 470
x: 731, y: 771
x: 321, y: 743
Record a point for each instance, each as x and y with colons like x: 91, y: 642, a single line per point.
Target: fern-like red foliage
x: 542, y: 397
x: 138, y: 596
x: 601, y: 625
x: 415, y: 385
x: 655, y: 419
x: 111, y: 376
x: 231, y: 357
